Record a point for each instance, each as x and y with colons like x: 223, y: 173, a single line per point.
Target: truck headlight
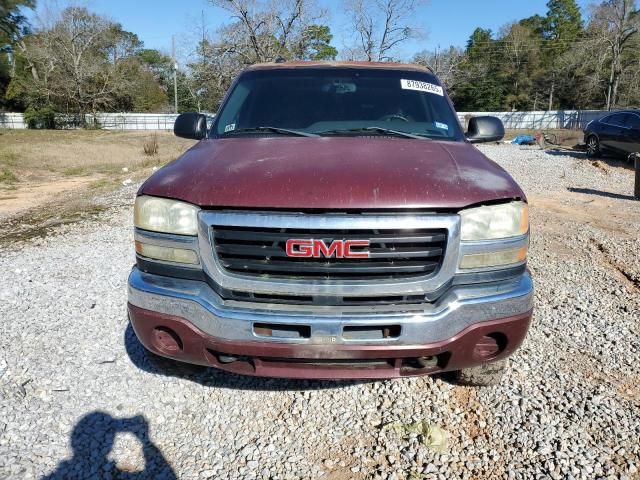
x: 494, y: 259
x: 167, y: 254
x: 165, y: 215
x: 495, y: 221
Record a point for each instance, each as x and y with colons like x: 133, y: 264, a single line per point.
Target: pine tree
x: 563, y: 26
x: 480, y: 89
x: 563, y: 23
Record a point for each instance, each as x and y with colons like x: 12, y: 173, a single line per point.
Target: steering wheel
x: 393, y: 116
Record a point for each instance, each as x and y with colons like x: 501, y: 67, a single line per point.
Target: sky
x: 442, y: 22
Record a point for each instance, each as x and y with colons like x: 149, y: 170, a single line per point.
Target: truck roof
x: 335, y: 64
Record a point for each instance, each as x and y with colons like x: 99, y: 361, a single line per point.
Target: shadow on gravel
x: 600, y: 193
x: 567, y: 153
x: 211, y: 377
x: 607, y: 159
x: 92, y: 440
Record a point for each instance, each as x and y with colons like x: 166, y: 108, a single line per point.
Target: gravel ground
x: 78, y: 398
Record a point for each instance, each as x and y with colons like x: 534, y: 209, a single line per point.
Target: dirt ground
x: 43, y: 167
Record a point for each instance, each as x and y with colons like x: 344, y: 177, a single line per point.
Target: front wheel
x: 486, y: 375
x: 593, y: 146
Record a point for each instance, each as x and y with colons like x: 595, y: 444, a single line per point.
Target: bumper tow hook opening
x: 227, y: 358
x: 420, y: 363
x: 427, y: 362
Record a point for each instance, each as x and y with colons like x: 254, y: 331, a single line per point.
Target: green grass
x: 73, y: 171
x: 8, y: 177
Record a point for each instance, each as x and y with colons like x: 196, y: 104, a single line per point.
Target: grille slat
x: 404, y: 252
x: 260, y: 236
x: 393, y: 253
x: 264, y: 250
x: 315, y: 267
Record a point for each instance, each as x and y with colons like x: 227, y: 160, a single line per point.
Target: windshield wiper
x: 283, y: 131
x: 375, y: 129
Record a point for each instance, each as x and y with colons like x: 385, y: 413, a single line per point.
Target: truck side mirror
x: 485, y: 129
x: 190, y: 125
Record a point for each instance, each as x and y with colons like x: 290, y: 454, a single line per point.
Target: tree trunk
x: 612, y: 88
x: 553, y: 86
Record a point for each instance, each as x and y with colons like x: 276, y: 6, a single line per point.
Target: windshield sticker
x: 230, y: 128
x: 442, y: 126
x: 421, y: 87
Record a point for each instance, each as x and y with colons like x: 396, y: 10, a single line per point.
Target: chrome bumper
x: 459, y: 308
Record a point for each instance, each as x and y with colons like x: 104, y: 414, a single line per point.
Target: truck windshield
x: 338, y: 102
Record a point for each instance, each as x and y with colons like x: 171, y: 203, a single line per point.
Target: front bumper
x: 186, y: 320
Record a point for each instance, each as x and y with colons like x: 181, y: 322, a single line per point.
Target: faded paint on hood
x: 337, y: 173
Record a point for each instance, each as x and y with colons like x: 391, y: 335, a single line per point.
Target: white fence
x: 542, y: 120
x: 571, y: 119
x: 12, y: 120
x: 107, y: 121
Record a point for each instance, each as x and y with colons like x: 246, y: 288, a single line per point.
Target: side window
x: 616, y: 120
x: 633, y: 121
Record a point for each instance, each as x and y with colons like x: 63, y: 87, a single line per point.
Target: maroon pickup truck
x: 334, y: 221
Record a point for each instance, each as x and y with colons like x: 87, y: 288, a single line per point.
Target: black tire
x: 171, y: 367
x: 486, y: 375
x: 593, y: 147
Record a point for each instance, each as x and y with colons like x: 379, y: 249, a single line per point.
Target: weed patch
x: 8, y: 177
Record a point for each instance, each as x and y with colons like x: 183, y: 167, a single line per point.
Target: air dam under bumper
x: 470, y: 325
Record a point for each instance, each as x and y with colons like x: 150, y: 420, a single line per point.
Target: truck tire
x: 486, y: 375
x: 171, y: 367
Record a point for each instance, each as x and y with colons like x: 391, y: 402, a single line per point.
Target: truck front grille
x: 394, y: 254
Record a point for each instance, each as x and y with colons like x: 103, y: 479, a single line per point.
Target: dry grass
x: 82, y: 152
x: 37, y: 166
x: 150, y: 145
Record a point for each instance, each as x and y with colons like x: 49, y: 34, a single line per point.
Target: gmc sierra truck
x: 334, y: 221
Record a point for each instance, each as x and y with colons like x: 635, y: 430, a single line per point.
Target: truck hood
x: 337, y: 173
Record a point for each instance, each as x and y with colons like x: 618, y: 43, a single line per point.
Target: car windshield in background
x: 338, y: 102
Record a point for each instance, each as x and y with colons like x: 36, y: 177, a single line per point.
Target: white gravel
x: 78, y: 399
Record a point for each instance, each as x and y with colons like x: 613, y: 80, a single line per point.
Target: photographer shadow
x: 92, y: 439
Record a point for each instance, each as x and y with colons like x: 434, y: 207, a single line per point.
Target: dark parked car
x: 617, y: 133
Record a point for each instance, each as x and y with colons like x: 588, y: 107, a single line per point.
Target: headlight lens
x: 493, y: 259
x: 495, y: 221
x: 166, y: 216
x: 168, y: 254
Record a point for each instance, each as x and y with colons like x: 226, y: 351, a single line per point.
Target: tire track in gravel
x: 619, y: 271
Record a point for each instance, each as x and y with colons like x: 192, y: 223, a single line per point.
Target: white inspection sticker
x: 421, y: 87
x: 442, y: 126
x: 230, y: 128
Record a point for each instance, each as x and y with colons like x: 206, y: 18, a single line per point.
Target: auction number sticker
x: 421, y: 87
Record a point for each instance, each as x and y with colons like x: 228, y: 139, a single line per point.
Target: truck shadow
x: 92, y: 440
x: 212, y: 377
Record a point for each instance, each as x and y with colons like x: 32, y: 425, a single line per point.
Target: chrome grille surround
x: 330, y: 221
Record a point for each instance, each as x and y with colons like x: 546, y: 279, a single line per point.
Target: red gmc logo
x: 307, y: 248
